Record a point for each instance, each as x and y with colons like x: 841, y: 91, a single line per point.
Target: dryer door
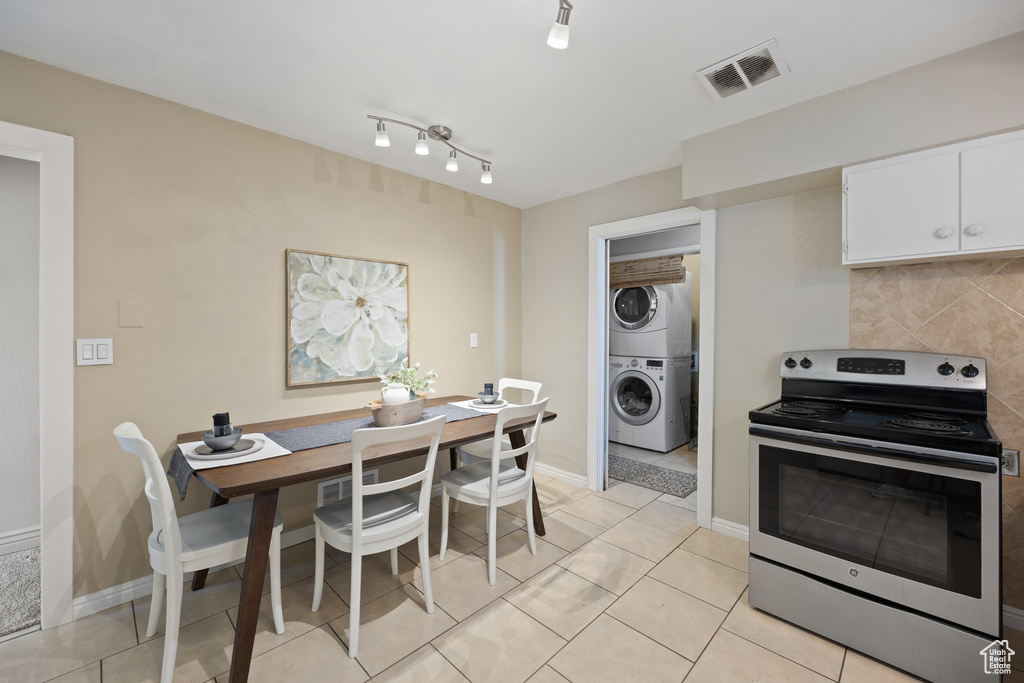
x: 633, y: 307
x: 635, y: 397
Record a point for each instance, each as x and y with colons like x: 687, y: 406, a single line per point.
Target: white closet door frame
x: 55, y: 154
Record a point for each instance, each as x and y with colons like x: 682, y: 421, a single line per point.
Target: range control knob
x: 805, y: 363
x: 969, y: 371
x: 947, y: 369
x: 790, y: 363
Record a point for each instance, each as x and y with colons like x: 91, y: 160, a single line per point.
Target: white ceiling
x: 615, y: 105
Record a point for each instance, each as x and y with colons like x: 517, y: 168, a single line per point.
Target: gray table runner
x: 314, y: 436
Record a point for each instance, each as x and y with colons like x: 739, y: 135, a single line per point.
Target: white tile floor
x: 632, y: 591
x: 681, y: 459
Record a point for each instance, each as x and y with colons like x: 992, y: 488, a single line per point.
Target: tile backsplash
x: 970, y: 308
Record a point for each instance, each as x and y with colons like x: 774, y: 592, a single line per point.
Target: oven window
x: 920, y: 526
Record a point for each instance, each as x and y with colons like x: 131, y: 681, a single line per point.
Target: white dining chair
x: 496, y: 482
x: 479, y: 451
x: 202, y: 540
x: 379, y: 517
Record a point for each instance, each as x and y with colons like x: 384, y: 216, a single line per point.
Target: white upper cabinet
x: 958, y: 201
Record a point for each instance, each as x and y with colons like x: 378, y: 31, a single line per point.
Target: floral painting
x: 348, y: 318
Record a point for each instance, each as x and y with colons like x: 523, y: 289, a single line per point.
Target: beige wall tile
x: 1007, y: 284
x: 499, y: 644
x: 675, y: 619
x: 870, y: 328
x: 858, y: 276
x: 977, y: 270
x: 561, y: 600
x: 976, y: 325
x: 912, y: 295
x: 608, y: 650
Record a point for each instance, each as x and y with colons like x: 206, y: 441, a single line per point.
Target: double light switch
x: 95, y: 351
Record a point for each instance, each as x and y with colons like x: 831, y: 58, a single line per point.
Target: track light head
x: 485, y: 177
x: 382, y: 136
x: 453, y: 162
x: 421, y: 144
x: 558, y: 38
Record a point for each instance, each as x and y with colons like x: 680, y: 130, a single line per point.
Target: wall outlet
x: 1011, y: 462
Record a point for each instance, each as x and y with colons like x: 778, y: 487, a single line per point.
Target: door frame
x: 597, y: 343
x: 55, y: 154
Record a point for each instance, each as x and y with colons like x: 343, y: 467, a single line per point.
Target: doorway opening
x: 602, y: 238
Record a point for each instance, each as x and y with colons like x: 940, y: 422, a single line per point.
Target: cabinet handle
x: 944, y: 233
x: 974, y: 229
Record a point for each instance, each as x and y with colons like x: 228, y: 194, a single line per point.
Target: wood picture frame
x: 347, y: 318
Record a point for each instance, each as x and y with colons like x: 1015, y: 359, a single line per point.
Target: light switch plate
x: 472, y: 340
x: 95, y: 351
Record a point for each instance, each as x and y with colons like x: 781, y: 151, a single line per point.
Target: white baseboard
x: 724, y: 526
x: 561, y: 475
x: 23, y: 539
x: 141, y: 587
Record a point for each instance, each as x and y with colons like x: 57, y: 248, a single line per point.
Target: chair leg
x: 428, y: 593
x: 487, y: 519
x: 155, y: 603
x: 318, y: 577
x: 444, y: 522
x: 394, y: 561
x: 492, y: 543
x: 353, y: 616
x: 174, y: 582
x: 275, y: 581
x: 530, y: 535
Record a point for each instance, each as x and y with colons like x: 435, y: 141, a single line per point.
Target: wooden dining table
x: 264, y: 479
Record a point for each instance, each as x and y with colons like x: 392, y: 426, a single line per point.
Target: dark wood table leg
x: 518, y: 440
x: 199, y: 578
x: 453, y: 453
x: 264, y: 509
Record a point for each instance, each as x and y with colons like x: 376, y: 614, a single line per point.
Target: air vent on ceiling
x: 744, y: 71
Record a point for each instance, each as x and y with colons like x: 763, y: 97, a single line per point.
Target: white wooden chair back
x: 161, y: 501
x: 531, y: 390
x: 362, y: 439
x: 531, y: 434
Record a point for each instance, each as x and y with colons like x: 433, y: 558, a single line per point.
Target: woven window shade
x: 657, y: 270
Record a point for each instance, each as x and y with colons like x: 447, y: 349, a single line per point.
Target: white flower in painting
x: 351, y: 313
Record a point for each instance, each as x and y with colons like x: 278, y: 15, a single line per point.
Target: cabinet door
x: 992, y: 197
x: 904, y: 210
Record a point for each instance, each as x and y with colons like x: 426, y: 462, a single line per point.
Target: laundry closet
x: 653, y: 360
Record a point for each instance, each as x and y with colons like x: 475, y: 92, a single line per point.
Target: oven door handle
x: 941, y: 460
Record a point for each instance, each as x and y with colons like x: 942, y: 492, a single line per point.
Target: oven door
x: 920, y: 529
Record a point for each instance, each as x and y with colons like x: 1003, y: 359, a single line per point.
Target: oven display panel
x: 872, y: 366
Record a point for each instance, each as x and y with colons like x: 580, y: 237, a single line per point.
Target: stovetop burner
x: 937, y: 417
x: 928, y: 426
x: 809, y: 408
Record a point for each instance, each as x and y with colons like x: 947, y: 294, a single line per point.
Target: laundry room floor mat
x: 661, y: 479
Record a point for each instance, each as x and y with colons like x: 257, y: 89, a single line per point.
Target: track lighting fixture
x: 442, y: 134
x: 558, y: 38
x: 382, y: 136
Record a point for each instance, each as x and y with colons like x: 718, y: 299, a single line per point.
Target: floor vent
x: 333, y: 490
x: 744, y: 71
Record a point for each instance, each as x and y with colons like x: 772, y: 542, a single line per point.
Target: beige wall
x: 778, y: 287
x: 969, y: 93
x: 190, y: 214
x: 970, y: 308
x: 555, y: 300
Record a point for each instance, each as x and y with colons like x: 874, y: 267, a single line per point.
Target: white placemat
x: 270, y: 450
x: 482, y: 409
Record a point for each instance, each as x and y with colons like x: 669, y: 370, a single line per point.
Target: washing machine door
x: 635, y: 397
x: 634, y: 307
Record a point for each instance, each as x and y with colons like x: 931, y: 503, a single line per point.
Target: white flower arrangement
x: 407, y: 378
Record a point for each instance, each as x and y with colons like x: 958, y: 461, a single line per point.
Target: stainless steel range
x: 875, y: 507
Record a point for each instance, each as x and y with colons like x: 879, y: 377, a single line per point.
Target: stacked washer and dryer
x: 649, y: 366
